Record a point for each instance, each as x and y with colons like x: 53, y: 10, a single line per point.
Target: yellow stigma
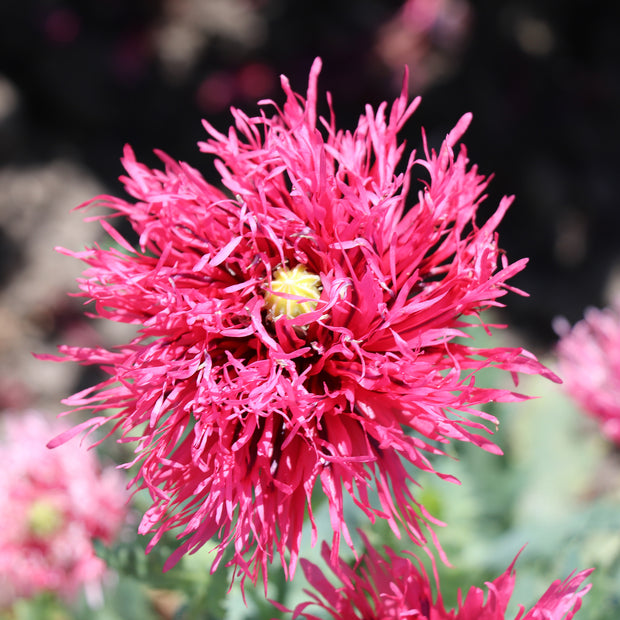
x: 297, y: 281
x: 44, y: 519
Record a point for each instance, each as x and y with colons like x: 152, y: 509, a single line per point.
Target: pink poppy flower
x: 397, y: 586
x: 589, y: 361
x: 54, y: 503
x: 297, y: 329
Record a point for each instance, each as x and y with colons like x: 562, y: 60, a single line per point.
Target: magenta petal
x: 237, y: 414
x: 397, y: 586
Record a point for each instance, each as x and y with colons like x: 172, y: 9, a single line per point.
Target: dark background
x: 80, y: 79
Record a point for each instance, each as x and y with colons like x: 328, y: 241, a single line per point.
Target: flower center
x: 44, y: 519
x: 297, y: 281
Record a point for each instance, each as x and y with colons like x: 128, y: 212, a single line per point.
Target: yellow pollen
x: 297, y: 281
x: 44, y: 519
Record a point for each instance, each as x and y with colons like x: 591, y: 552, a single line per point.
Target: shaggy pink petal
x: 561, y: 601
x: 54, y: 503
x: 589, y: 359
x: 394, y: 587
x: 238, y: 414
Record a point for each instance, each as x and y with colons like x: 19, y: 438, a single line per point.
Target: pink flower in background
x: 54, y: 503
x: 298, y: 328
x: 397, y: 586
x: 589, y: 361
x: 429, y: 36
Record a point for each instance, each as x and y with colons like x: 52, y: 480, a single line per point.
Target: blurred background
x: 79, y: 79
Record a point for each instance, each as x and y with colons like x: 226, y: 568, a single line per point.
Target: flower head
x: 299, y: 328
x: 589, y: 361
x: 54, y: 503
x: 397, y: 586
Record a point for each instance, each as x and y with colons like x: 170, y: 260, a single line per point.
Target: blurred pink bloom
x: 300, y: 328
x: 54, y: 503
x: 250, y: 82
x: 428, y: 36
x: 216, y: 92
x: 398, y: 587
x: 589, y: 361
x: 256, y: 79
x: 62, y: 26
